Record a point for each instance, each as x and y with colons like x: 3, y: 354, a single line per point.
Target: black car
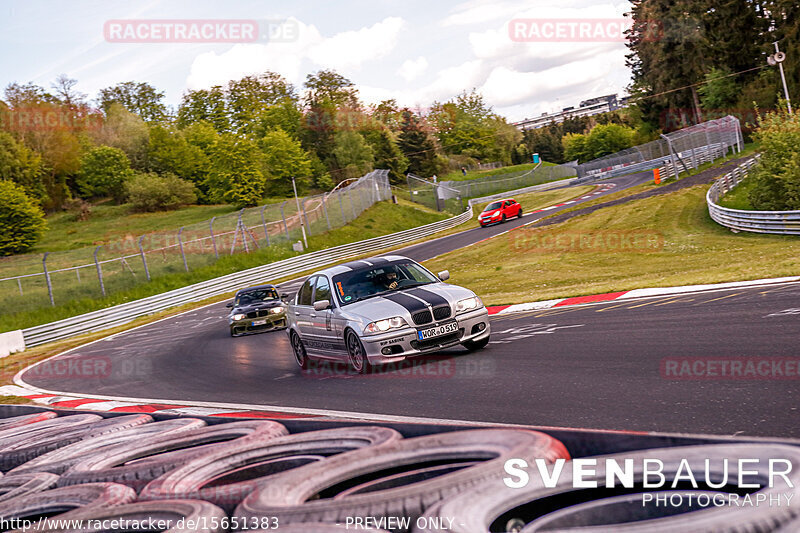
x: 256, y: 309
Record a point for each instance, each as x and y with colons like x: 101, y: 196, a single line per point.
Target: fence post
x: 19, y: 283
x: 144, y: 260
x: 410, y: 193
x: 78, y: 274
x: 341, y: 207
x: 240, y: 224
x: 283, y: 216
x: 47, y: 279
x: 213, y: 239
x: 672, y: 156
x: 99, y: 270
x: 183, y: 255
x: 263, y: 223
x: 325, y: 209
x: 304, y: 215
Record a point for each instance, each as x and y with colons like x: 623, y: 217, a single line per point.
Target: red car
x: 497, y: 212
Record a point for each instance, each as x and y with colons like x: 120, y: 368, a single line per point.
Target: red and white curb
x: 115, y: 406
x: 635, y: 293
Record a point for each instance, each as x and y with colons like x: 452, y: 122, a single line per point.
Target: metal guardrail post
x: 263, y: 223
x: 180, y: 245
x: 47, y: 279
x: 285, y: 225
x: 99, y: 270
x: 144, y: 260
x: 213, y: 239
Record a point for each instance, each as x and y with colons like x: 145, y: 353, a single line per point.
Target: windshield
x: 373, y: 281
x: 494, y: 205
x: 257, y: 295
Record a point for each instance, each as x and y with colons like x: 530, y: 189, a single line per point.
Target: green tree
x: 138, y: 97
x: 777, y: 175
x: 248, y: 97
x: 148, y: 191
x: 575, y: 147
x: 22, y: 222
x: 353, y: 155
x: 205, y: 104
x: 124, y: 130
x: 170, y: 152
x: 417, y: 146
x: 104, y: 171
x: 387, y: 154
x: 720, y: 90
x: 284, y: 158
x: 21, y: 165
x: 236, y: 175
x: 605, y: 139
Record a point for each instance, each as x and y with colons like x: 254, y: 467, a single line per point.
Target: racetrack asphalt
x: 605, y: 366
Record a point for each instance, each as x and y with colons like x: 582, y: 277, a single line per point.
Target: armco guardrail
x: 779, y: 222
x: 124, y: 313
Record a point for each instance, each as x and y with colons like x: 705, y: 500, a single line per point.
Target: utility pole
x: 299, y: 214
x: 777, y: 59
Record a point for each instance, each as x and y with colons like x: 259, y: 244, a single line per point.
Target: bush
x: 104, y: 171
x: 151, y: 192
x: 777, y: 176
x: 22, y: 221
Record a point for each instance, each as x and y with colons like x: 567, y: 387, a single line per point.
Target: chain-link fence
x: 450, y: 195
x: 30, y: 281
x: 682, y: 149
x: 504, y: 182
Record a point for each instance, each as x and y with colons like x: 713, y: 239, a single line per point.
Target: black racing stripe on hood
x: 361, y: 264
x: 411, y: 304
x: 433, y: 299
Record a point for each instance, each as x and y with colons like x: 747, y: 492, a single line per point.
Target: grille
x: 257, y: 314
x: 422, y: 317
x: 440, y: 313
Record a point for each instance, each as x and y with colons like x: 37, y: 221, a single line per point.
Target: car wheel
x: 503, y: 219
x: 473, y: 346
x: 300, y: 355
x: 233, y: 332
x: 356, y: 354
x: 519, y: 213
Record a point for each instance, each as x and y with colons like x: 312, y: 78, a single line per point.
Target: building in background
x: 592, y: 106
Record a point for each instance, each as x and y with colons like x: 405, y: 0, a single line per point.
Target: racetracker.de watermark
x: 536, y: 240
x: 420, y: 367
x: 611, y: 30
x: 730, y: 368
x: 200, y: 30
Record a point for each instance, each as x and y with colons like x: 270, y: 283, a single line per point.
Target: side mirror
x: 285, y: 297
x: 321, y: 305
x: 444, y: 275
x: 229, y: 304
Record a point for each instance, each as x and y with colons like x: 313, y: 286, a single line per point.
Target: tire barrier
x: 133, y: 473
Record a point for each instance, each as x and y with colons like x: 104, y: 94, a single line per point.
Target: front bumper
x: 403, y: 343
x: 490, y: 221
x: 271, y: 322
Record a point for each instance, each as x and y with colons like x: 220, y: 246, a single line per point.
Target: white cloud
x: 351, y: 49
x: 412, y: 69
x: 345, y: 50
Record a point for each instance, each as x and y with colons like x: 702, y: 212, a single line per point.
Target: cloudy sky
x: 412, y: 50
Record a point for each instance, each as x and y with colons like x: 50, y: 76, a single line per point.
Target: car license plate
x: 258, y: 323
x: 437, y: 331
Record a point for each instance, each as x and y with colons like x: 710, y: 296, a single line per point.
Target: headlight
x: 238, y: 316
x: 468, y: 303
x: 276, y: 310
x: 496, y: 215
x: 385, y: 325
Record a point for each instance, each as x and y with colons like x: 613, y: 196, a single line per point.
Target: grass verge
x: 457, y: 175
x: 738, y: 197
x: 690, y: 249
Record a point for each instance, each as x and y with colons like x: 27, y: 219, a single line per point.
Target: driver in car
x: 388, y: 280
